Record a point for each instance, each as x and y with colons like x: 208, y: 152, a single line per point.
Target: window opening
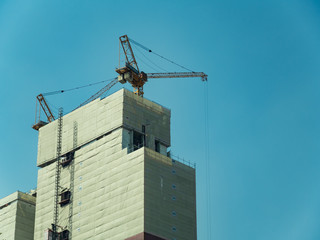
x: 137, y: 140
x: 157, y: 146
x: 64, y: 235
x: 174, y: 213
x: 173, y: 186
x: 65, y: 198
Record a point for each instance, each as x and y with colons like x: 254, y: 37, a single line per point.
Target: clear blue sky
x: 263, y: 62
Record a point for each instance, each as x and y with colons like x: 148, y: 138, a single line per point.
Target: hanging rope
x: 76, y: 88
x: 162, y: 69
x: 207, y: 162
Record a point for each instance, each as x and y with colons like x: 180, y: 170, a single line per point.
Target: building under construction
x: 105, y: 169
x: 17, y: 216
x: 105, y: 173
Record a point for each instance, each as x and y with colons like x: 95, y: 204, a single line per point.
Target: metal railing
x: 182, y: 160
x: 169, y: 154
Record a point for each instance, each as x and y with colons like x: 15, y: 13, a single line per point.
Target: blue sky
x: 262, y: 58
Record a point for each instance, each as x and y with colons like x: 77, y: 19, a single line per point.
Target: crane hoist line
x: 130, y: 73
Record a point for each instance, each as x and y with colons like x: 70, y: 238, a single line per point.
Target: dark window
x: 65, y: 198
x: 64, y: 235
x: 137, y: 140
x: 157, y: 146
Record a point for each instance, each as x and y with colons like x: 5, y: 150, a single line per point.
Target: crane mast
x: 126, y: 46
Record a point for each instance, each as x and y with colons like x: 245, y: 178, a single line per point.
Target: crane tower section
x: 130, y: 72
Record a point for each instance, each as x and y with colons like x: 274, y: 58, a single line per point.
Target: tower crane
x: 129, y: 73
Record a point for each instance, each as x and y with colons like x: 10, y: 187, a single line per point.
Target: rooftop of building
x: 28, y: 197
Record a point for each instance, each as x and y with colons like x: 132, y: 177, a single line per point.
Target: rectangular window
x: 64, y: 235
x: 157, y: 146
x: 137, y: 140
x: 64, y: 198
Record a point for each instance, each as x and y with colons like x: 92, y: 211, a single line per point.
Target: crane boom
x: 46, y: 110
x: 126, y: 46
x: 178, y: 75
x: 45, y: 107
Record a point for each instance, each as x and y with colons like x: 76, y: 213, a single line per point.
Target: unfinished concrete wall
x: 170, y: 198
x: 8, y: 216
x: 122, y: 108
x: 25, y: 216
x: 93, y: 119
x: 138, y: 111
x: 118, y: 191
x: 17, y: 214
x: 108, y: 192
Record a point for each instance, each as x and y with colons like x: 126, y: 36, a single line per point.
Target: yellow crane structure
x: 129, y: 73
x: 45, y: 107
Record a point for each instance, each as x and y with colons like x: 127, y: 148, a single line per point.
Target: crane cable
x: 207, y: 139
x: 75, y: 88
x: 149, y: 50
x: 162, y: 69
x: 207, y: 157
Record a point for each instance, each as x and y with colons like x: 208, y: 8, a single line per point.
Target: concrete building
x: 17, y: 213
x: 116, y: 180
